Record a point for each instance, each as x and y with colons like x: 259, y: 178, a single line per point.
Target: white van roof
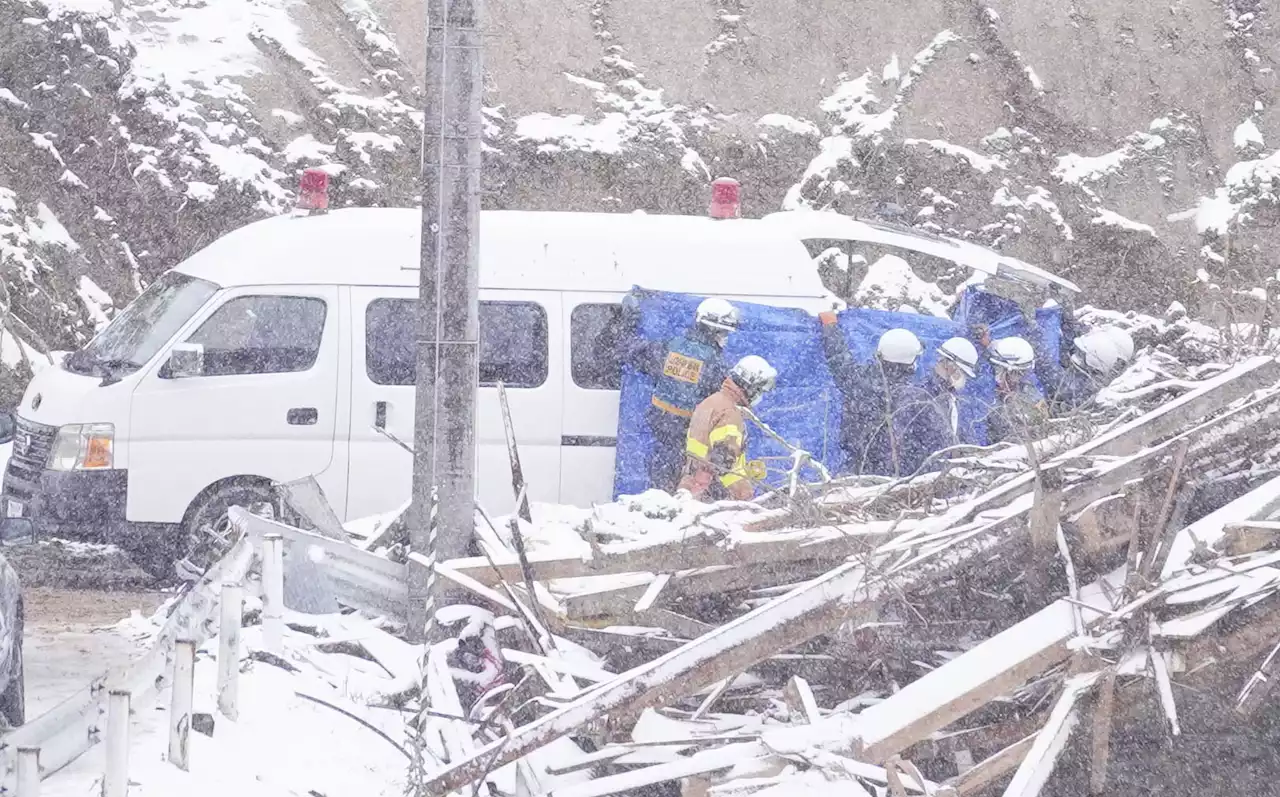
x: 530, y: 250
x: 817, y: 224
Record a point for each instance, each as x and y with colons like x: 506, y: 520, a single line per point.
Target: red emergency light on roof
x: 313, y: 190
x: 725, y: 202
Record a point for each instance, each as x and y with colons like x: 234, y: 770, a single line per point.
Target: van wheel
x: 207, y: 535
x: 189, y: 549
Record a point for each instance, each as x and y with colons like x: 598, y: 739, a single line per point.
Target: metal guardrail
x: 68, y: 730
x: 357, y: 578
x: 72, y: 727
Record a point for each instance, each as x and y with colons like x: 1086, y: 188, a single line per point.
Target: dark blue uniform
x: 1066, y: 389
x: 890, y: 424
x: 685, y: 370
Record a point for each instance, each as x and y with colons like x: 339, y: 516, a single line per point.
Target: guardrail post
x: 28, y: 772
x: 184, y: 671
x: 229, y: 650
x: 116, y: 782
x: 273, y: 593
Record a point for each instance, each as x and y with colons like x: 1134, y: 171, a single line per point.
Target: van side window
x: 262, y: 335
x: 513, y: 343
x: 594, y: 358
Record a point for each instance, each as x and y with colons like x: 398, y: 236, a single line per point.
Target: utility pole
x: 448, y: 325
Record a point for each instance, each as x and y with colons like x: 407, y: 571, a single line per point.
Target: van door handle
x: 303, y: 416
x: 380, y: 415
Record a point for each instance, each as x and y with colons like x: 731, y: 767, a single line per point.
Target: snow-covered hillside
x: 1128, y: 150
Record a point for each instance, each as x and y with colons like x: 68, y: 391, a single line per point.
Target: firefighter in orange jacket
x: 716, y: 447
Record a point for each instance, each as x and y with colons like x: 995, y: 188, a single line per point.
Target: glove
x: 827, y: 317
x: 756, y: 470
x: 981, y: 334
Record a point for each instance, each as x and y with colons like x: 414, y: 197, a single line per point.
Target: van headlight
x: 87, y: 446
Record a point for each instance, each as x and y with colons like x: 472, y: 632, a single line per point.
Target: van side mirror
x: 7, y: 427
x: 186, y: 360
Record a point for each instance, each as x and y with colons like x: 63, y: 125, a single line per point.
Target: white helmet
x: 1098, y: 351
x: 899, y: 346
x: 1123, y: 342
x: 961, y: 352
x: 755, y: 376
x: 716, y: 313
x: 1013, y: 354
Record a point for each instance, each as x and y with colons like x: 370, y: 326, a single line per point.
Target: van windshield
x: 135, y: 335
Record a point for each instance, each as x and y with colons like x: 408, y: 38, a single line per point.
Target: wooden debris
x: 1100, y: 749
x: 1034, y: 770
x: 989, y: 769
x: 1255, y: 692
x: 799, y: 698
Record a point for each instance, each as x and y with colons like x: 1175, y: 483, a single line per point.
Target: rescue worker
x: 1096, y: 357
x: 685, y: 370
x: 957, y: 364
x: 907, y: 427
x: 889, y: 423
x: 1020, y: 411
x: 858, y: 390
x: 716, y: 447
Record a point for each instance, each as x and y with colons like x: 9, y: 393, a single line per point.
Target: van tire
x: 161, y: 552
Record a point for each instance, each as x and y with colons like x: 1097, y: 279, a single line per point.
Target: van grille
x: 32, y: 443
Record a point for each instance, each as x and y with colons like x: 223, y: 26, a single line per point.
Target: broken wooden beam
x: 992, y: 668
x: 1250, y: 536
x: 980, y: 775
x: 697, y: 551
x: 1100, y: 744
x: 1255, y: 691
x: 799, y: 698
x: 1035, y: 769
x: 846, y: 593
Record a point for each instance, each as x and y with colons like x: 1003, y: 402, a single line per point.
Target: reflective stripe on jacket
x: 716, y: 447
x: 678, y: 386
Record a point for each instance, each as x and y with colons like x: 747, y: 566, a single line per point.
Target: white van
x: 307, y: 325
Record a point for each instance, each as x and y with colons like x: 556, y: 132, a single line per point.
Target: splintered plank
x: 695, y: 552
x: 1035, y: 769
x: 848, y: 593
x: 697, y: 764
x: 969, y: 681
x: 1103, y: 714
x: 977, y: 777
x: 851, y: 593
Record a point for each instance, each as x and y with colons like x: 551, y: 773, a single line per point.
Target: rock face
x: 1124, y: 145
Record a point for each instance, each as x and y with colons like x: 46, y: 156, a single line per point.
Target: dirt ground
x: 74, y: 595
x: 68, y: 639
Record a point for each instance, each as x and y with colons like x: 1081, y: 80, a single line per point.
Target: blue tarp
x: 805, y: 407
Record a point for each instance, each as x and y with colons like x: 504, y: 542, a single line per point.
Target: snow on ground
x: 1109, y: 218
x: 1248, y: 135
x: 282, y: 743
x: 982, y: 163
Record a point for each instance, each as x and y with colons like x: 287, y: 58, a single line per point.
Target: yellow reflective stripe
x: 697, y: 448
x: 721, y: 433
x: 671, y: 408
x: 737, y: 474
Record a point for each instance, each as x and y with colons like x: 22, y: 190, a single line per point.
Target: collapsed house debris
x: 948, y: 634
